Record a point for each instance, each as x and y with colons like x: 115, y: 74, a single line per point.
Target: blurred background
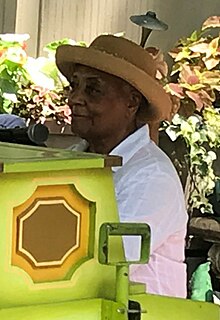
x: 83, y: 20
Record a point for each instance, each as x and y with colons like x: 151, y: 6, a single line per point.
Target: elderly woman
x: 113, y: 95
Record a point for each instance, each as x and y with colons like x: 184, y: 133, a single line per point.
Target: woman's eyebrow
x: 95, y: 78
x: 87, y: 77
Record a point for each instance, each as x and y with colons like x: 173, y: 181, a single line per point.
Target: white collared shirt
x: 148, y: 190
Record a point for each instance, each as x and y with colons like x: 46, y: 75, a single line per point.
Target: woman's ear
x: 134, y: 102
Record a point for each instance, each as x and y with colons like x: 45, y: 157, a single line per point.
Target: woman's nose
x: 76, y: 96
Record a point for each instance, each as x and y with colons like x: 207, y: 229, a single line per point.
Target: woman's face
x: 99, y: 103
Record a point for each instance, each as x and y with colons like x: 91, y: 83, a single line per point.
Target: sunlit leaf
x: 195, y: 136
x: 212, y: 135
x: 41, y: 71
x: 176, y: 120
x: 193, y: 87
x: 52, y: 46
x: 199, y: 47
x: 213, y: 46
x: 211, y: 63
x: 184, y: 54
x: 176, y: 68
x: 172, y: 132
x: 186, y: 127
x: 16, y: 55
x: 10, y: 96
x: 194, y: 120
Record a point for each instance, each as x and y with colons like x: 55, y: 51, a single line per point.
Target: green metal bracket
x: 124, y: 229
x: 122, y: 267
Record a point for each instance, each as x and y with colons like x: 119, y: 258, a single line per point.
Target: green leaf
x: 52, y: 46
x: 194, y: 36
x: 8, y: 44
x: 81, y: 43
x: 184, y: 54
x: 50, y: 70
x: 7, y: 106
x: 5, y: 73
x: 7, y: 86
x: 1, y: 104
x: 12, y: 66
x: 186, y: 127
x: 213, y: 155
x: 195, y: 136
x: 2, y: 68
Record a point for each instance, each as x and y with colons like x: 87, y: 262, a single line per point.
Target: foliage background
x: 196, y: 74
x: 35, y: 90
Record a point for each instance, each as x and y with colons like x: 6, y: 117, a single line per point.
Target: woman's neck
x: 107, y: 144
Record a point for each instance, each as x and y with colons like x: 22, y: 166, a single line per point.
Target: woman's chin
x: 80, y: 131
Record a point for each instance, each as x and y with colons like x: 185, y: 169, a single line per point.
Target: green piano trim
x: 53, y: 205
x: 16, y: 158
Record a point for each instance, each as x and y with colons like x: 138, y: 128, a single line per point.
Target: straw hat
x: 122, y: 58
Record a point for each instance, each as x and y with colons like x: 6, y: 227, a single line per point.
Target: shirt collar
x: 128, y: 147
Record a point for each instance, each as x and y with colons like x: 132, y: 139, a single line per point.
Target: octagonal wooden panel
x: 52, y: 233
x: 48, y: 232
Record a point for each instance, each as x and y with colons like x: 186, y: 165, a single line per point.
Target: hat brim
x: 103, y: 61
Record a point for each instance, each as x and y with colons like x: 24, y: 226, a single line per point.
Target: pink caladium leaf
x: 201, y: 98
x: 42, y: 91
x: 211, y: 22
x: 65, y: 109
x: 196, y: 98
x: 208, y: 97
x: 37, y: 99
x: 175, y: 89
x: 188, y: 75
x: 54, y: 96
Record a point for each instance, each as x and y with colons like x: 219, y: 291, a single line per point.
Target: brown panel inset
x: 51, y: 233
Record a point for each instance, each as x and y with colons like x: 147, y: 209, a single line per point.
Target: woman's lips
x: 78, y: 115
x: 79, y: 112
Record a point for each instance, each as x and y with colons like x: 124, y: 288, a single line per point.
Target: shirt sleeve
x: 157, y: 201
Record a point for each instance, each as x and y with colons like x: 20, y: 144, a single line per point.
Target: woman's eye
x: 93, y: 90
x: 73, y: 85
x: 74, y: 82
